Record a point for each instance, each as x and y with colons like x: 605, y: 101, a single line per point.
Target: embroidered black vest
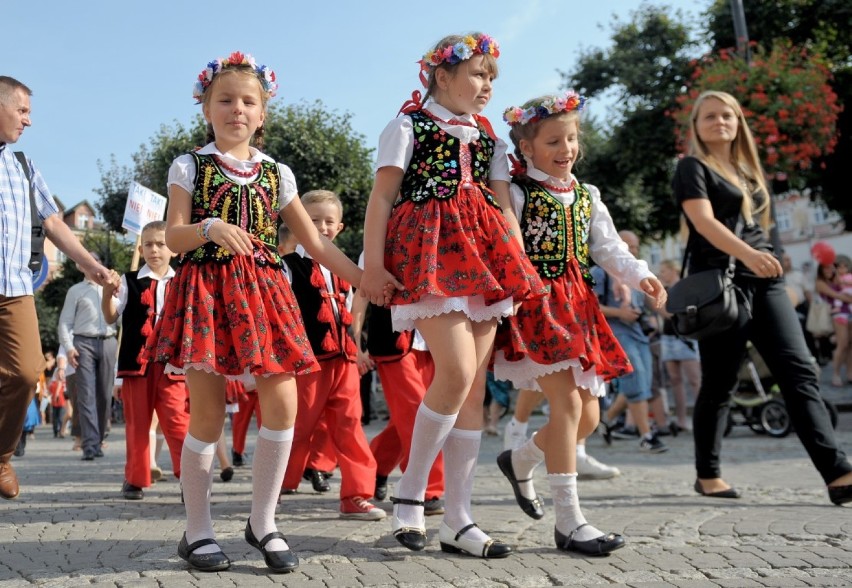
x: 253, y: 207
x: 329, y: 337
x: 383, y: 343
x: 552, y: 232
x: 439, y: 159
x: 134, y: 317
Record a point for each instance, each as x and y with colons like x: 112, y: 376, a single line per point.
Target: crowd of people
x: 468, y: 266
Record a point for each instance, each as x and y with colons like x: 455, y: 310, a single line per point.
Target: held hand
x: 73, y: 357
x: 111, y: 283
x: 379, y: 286
x: 99, y: 273
x: 364, y: 362
x: 654, y: 289
x: 231, y: 237
x: 763, y: 264
x: 116, y: 392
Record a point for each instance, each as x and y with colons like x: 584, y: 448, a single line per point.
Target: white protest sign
x: 143, y: 206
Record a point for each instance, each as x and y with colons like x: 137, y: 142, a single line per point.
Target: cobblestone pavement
x: 71, y: 526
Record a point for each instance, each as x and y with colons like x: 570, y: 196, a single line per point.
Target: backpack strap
x: 37, y: 227
x: 34, y: 217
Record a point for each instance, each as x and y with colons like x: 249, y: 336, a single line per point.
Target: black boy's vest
x: 136, y: 315
x: 329, y: 337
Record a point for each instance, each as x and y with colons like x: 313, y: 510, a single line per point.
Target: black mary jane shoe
x: 727, y: 493
x: 532, y: 507
x: 203, y: 562
x: 414, y: 538
x: 840, y: 495
x: 452, y: 542
x: 281, y: 562
x: 600, y: 546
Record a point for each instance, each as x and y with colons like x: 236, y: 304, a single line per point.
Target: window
x: 82, y: 220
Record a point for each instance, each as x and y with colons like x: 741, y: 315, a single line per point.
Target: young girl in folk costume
x: 447, y: 240
x: 720, y: 183
x: 229, y: 313
x: 562, y: 344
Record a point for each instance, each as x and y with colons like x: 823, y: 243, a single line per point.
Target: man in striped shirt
x: 21, y: 359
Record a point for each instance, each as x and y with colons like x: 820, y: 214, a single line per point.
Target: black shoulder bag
x: 37, y: 238
x: 708, y: 302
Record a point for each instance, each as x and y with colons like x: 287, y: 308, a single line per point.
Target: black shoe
x: 532, y: 507
x: 88, y: 455
x: 227, y: 474
x: 381, y: 487
x: 414, y: 538
x: 317, y: 480
x: 99, y: 452
x: 21, y: 449
x: 278, y: 561
x: 452, y: 542
x: 840, y: 495
x: 203, y: 562
x: 603, y: 545
x: 237, y: 459
x: 728, y: 493
x: 131, y: 492
x: 605, y: 429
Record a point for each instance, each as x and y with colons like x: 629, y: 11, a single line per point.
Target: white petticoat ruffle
x: 524, y: 374
x: 246, y: 378
x: 404, y: 315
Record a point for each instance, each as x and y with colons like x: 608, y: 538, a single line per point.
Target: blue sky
x: 106, y: 75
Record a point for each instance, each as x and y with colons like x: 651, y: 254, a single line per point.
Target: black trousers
x: 775, y: 332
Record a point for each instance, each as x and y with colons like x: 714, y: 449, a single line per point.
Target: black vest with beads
x: 553, y: 233
x: 435, y: 168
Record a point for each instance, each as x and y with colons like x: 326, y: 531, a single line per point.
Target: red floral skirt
x: 231, y: 319
x: 459, y: 246
x: 567, y: 325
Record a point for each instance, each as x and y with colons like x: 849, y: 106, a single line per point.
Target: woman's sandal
x: 414, y: 538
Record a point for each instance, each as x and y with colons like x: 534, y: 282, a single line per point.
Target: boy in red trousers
x: 138, y: 298
x: 333, y: 393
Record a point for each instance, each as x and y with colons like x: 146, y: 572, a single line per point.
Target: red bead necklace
x: 239, y: 173
x: 562, y: 190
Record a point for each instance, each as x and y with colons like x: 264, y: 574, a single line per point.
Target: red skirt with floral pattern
x: 566, y: 325
x: 458, y: 246
x: 230, y: 318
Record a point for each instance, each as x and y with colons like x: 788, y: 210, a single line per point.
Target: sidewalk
x: 71, y: 527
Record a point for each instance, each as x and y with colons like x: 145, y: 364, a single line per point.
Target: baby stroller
x: 756, y: 400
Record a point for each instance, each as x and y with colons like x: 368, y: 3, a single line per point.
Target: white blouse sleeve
x: 289, y: 191
x: 182, y: 172
x: 396, y: 144
x: 500, y: 162
x: 609, y: 250
x: 517, y: 195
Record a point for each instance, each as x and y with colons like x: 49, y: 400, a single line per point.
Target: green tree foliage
x: 823, y: 27
x: 319, y: 146
x: 645, y: 69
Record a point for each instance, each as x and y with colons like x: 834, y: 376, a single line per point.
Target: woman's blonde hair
x: 743, y: 156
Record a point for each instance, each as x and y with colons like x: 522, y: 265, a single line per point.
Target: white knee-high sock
x: 430, y: 433
x: 461, y: 451
x: 524, y: 461
x: 566, y: 504
x: 267, y: 473
x: 196, y: 478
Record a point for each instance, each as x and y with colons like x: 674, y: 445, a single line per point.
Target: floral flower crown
x: 544, y: 107
x: 205, y: 78
x: 464, y: 49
